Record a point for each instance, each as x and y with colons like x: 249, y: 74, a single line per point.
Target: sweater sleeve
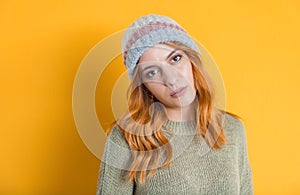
x: 114, y: 162
x: 246, y: 183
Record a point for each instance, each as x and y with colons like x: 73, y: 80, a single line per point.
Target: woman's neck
x: 181, y: 114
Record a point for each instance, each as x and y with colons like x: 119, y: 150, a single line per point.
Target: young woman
x: 172, y: 139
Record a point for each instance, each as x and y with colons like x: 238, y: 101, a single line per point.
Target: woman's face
x: 167, y: 73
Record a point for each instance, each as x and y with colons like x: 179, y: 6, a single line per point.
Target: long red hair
x: 142, y: 123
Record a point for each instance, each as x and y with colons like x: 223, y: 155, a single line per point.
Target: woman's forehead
x: 156, y: 52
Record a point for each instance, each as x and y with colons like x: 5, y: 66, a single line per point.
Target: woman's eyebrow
x: 171, y: 53
x: 151, y: 66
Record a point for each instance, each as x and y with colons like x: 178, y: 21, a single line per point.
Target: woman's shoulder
x: 233, y: 126
x: 117, y: 152
x: 117, y: 136
x: 231, y: 121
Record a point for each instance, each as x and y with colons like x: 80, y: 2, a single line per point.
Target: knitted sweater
x: 195, y: 168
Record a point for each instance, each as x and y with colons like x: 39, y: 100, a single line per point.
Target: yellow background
x: 42, y: 43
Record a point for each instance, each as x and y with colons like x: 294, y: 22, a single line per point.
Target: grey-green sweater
x: 195, y: 168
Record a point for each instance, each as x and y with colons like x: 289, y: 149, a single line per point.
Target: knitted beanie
x: 148, y: 31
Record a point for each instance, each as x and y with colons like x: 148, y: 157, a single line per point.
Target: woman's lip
x: 178, y: 92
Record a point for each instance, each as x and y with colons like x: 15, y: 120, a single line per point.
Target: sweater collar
x: 180, y: 127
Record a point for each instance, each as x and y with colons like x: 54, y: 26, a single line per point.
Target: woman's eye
x: 176, y: 58
x: 151, y: 73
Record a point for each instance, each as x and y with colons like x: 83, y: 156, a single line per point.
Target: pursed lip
x: 178, y: 92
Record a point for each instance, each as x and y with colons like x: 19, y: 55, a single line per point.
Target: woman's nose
x: 170, y: 76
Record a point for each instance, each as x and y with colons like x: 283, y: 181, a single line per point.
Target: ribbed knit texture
x: 195, y: 169
x: 148, y: 31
